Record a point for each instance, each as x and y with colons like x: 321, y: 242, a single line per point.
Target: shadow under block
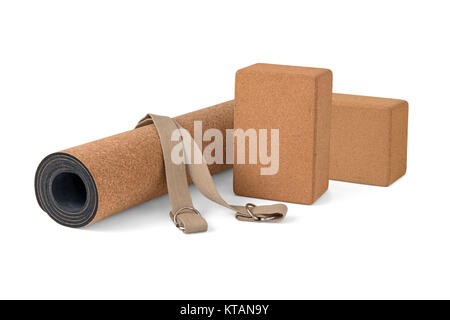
x: 368, y: 139
x: 297, y: 102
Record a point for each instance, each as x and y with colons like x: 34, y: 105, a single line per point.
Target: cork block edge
x: 401, y: 107
x: 319, y: 187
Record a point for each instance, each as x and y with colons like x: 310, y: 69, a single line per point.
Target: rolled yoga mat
x: 87, y: 183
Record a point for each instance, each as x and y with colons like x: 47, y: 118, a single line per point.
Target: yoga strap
x: 183, y: 213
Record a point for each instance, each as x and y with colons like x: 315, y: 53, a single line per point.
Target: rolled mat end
x: 66, y: 190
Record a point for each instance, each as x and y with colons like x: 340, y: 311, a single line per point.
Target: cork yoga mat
x: 87, y: 183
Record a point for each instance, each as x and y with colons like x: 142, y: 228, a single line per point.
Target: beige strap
x: 184, y: 215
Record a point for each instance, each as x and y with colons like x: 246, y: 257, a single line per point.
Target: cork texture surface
x: 368, y: 139
x: 297, y: 102
x: 128, y: 168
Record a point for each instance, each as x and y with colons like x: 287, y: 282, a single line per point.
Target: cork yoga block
x: 296, y: 101
x: 368, y: 139
x: 85, y: 184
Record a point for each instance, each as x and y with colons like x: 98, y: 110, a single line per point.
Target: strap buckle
x: 258, y: 218
x: 179, y: 211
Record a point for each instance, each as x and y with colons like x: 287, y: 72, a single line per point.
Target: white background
x: 76, y: 71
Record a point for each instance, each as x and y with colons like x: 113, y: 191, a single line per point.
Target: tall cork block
x: 368, y: 139
x: 297, y: 102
